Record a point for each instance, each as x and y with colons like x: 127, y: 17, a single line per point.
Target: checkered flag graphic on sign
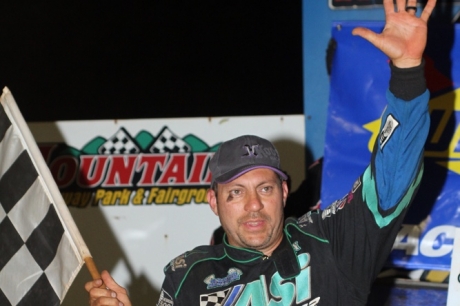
x: 38, y: 257
x: 120, y: 143
x: 167, y: 142
x: 214, y: 299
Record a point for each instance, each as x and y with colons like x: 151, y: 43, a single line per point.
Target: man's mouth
x: 254, y: 224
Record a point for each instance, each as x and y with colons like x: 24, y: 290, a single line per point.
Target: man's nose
x: 254, y: 202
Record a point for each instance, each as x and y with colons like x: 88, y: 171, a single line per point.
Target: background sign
x: 358, y: 84
x: 353, y: 3
x: 365, y: 3
x: 137, y: 188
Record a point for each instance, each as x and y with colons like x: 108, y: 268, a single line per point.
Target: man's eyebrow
x: 268, y: 181
x: 232, y: 185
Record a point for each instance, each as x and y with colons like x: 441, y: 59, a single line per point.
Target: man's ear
x: 285, y: 188
x: 212, y: 200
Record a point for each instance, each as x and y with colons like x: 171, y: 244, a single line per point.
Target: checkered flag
x: 120, y: 143
x: 214, y: 299
x: 168, y: 142
x: 41, y: 248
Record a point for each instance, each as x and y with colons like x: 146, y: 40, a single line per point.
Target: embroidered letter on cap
x: 250, y: 150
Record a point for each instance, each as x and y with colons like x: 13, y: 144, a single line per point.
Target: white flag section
x: 41, y: 249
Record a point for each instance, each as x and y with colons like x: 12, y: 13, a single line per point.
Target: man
x: 328, y: 257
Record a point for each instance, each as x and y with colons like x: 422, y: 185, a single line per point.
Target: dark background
x: 77, y: 60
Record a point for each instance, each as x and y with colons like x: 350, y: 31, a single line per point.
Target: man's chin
x: 256, y: 243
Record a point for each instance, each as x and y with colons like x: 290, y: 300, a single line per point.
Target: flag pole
x: 91, y: 265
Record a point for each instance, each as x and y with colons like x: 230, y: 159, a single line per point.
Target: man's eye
x: 267, y: 188
x: 235, y: 192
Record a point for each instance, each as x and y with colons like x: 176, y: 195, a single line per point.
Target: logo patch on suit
x: 334, y: 207
x: 165, y: 299
x: 296, y: 246
x: 213, y: 282
x: 179, y: 261
x: 356, y: 185
x: 219, y: 298
x: 305, y: 219
x: 390, y: 126
x: 268, y: 290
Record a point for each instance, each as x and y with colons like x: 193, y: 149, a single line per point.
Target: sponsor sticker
x: 296, y: 246
x: 356, y: 185
x: 214, y: 299
x: 305, y: 219
x: 232, y: 276
x: 390, y: 126
x: 165, y: 299
x: 178, y: 262
x: 335, y: 207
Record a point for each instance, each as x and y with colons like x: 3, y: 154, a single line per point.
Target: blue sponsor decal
x: 232, y: 276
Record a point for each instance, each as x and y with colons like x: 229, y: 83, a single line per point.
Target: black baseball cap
x: 237, y: 156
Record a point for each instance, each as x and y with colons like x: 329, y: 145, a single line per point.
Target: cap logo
x: 250, y: 150
x: 242, y: 154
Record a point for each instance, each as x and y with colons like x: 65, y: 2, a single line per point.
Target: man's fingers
x: 93, y: 284
x: 367, y: 34
x: 429, y: 7
x: 400, y: 5
x: 106, y: 292
x: 411, y: 3
x: 104, y: 301
x: 111, y: 283
x: 104, y: 297
x: 99, y: 292
x: 411, y: 7
x: 388, y: 7
x: 121, y: 292
x: 411, y: 10
x: 359, y: 31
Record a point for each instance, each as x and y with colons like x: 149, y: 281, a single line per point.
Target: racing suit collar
x: 242, y: 255
x: 284, y: 257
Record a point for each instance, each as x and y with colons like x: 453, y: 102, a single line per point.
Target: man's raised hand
x: 404, y: 36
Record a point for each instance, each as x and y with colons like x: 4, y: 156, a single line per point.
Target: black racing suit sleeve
x: 362, y: 226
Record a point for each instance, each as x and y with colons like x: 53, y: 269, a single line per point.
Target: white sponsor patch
x: 356, y: 185
x: 165, y: 299
x: 390, y: 126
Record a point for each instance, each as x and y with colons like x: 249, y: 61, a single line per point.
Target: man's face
x: 250, y: 209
